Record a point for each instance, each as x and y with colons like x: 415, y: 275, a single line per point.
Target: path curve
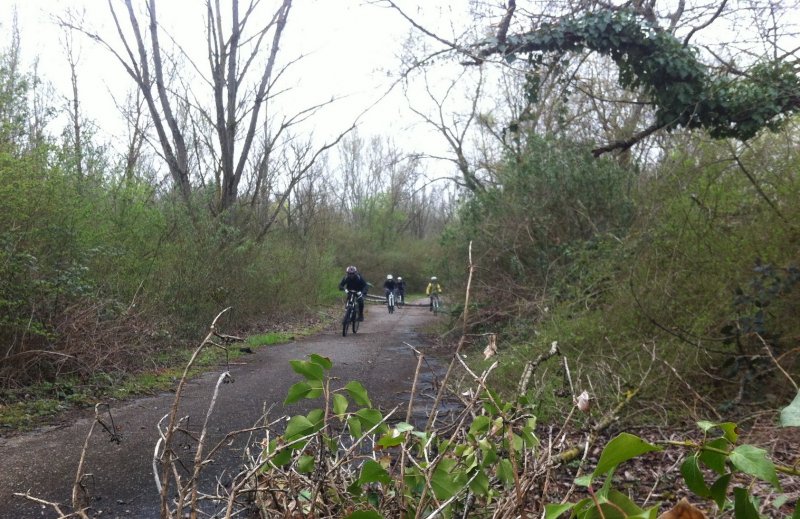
x: 121, y: 482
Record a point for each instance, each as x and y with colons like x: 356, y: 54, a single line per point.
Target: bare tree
x: 74, y: 111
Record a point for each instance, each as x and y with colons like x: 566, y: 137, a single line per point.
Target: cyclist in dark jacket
x: 401, y: 289
x: 390, y: 285
x: 353, y: 281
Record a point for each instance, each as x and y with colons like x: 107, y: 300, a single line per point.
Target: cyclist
x: 401, y: 289
x: 389, y: 286
x: 353, y: 281
x: 434, y: 288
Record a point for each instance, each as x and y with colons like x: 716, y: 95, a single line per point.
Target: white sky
x: 350, y: 47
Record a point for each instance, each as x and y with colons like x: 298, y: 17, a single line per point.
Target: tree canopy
x: 684, y: 92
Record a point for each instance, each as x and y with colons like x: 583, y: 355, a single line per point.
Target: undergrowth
x: 37, y: 404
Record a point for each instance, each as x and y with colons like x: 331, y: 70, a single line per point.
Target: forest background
x: 626, y: 176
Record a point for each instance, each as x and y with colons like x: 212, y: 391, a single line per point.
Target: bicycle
x: 436, y: 303
x: 350, y: 319
x: 390, y: 302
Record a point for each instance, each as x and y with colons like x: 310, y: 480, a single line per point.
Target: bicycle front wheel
x: 355, y: 322
x: 346, y: 321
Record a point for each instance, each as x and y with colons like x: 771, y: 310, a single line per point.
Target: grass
x: 36, y: 405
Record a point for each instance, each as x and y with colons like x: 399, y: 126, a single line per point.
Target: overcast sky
x: 351, y: 49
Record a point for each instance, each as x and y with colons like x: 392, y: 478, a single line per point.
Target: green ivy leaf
x: 281, y: 458
x: 404, y: 427
x: 310, y: 370
x: 729, y: 431
x: 743, y: 505
x: 690, y: 469
x: 505, y: 471
x: 790, y: 415
x: 324, y: 362
x: 621, y: 449
x: 393, y: 438
x: 553, y: 511
x: 622, y: 507
x: 479, y: 425
x: 358, y: 393
x: 298, y: 427
x: 317, y: 419
x: 305, y: 464
x: 705, y: 425
x: 446, y: 481
x: 480, y: 484
x: 354, y: 425
x: 715, y: 460
x: 373, y: 472
x: 340, y: 404
x: 297, y: 392
x: 754, y: 461
x: 719, y: 490
x: 370, y: 418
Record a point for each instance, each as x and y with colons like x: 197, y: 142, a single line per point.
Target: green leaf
x: 790, y: 415
x: 779, y: 501
x: 729, y: 431
x: 743, y: 506
x: 715, y: 460
x: 354, y: 424
x: 480, y: 484
x: 620, y: 449
x: 752, y: 460
x: 364, y: 514
x: 392, y: 438
x: 621, y: 506
x: 705, y: 425
x: 584, y: 481
x: 297, y: 392
x: 373, y: 472
x: 358, y: 393
x: 340, y: 404
x: 310, y: 370
x: 445, y: 481
x: 505, y: 471
x: 404, y: 427
x: 489, y: 453
x: 480, y: 425
x: 719, y: 490
x: 298, y: 427
x: 690, y: 469
x: 553, y: 511
x: 370, y: 418
x: 324, y: 362
x: 317, y: 419
x: 305, y: 464
x: 281, y: 458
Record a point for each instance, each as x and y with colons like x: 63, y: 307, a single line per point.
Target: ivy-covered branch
x: 683, y: 91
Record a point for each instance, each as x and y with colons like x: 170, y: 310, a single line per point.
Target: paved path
x: 121, y: 483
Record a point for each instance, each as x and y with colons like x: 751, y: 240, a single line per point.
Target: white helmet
x: 389, y: 276
x: 433, y: 278
x: 399, y: 278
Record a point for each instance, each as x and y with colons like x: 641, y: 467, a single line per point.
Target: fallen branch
x: 531, y: 366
